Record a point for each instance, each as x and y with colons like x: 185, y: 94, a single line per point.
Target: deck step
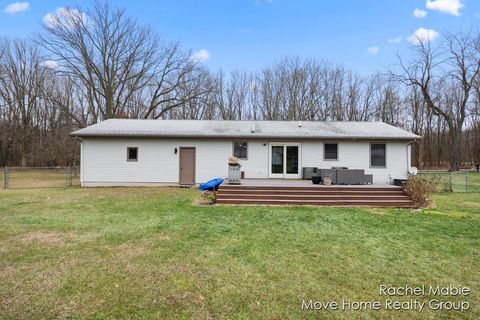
x: 310, y: 192
x: 313, y: 197
x: 305, y: 188
x: 364, y: 196
x: 364, y: 203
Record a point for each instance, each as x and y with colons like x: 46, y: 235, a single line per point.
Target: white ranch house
x: 121, y: 152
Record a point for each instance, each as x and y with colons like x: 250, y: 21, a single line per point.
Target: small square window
x: 330, y: 151
x: 132, y: 154
x: 240, y: 150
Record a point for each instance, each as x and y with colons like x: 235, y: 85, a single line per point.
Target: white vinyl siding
x: 356, y: 155
x: 257, y: 164
x: 103, y: 160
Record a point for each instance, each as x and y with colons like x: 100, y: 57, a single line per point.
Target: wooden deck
x: 303, y: 192
x: 300, y: 183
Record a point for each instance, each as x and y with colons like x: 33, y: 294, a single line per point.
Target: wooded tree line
x: 97, y: 63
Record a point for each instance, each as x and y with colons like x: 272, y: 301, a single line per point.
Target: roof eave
x: 252, y: 136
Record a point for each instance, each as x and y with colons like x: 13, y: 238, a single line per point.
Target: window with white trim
x: 378, y: 155
x: 240, y: 149
x: 330, y: 151
x: 132, y: 154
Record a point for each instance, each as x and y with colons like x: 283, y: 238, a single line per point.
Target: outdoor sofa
x: 339, y: 175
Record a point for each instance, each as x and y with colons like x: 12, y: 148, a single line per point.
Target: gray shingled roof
x: 245, y: 129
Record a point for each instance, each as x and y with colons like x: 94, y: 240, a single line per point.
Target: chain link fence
x: 458, y: 181
x: 36, y: 177
x: 61, y: 177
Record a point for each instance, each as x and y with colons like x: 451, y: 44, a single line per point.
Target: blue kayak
x: 211, y: 184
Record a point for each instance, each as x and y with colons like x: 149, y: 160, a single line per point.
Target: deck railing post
x: 5, y: 177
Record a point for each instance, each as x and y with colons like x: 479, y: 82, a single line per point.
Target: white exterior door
x: 284, y: 160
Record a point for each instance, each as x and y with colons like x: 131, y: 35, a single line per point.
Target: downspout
x: 409, y: 155
x: 81, y: 161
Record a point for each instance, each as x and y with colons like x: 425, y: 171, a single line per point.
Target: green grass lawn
x: 152, y: 253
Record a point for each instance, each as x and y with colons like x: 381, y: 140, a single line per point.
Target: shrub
x: 208, y: 197
x: 419, y: 188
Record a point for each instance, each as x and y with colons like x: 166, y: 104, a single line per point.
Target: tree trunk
x: 420, y: 159
x: 456, y: 135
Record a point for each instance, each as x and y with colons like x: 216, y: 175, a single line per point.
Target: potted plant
x: 316, y: 179
x: 327, y: 180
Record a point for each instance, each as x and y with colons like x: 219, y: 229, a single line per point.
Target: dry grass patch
x: 49, y: 238
x: 163, y: 237
x: 469, y: 203
x: 379, y: 211
x: 6, y: 272
x: 129, y: 251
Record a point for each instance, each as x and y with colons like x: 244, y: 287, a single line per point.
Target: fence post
x: 451, y: 181
x: 68, y: 181
x: 5, y: 177
x: 466, y: 181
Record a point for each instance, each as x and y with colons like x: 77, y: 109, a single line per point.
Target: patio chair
x: 368, y: 179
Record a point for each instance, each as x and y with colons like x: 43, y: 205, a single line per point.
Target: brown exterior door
x: 187, y: 165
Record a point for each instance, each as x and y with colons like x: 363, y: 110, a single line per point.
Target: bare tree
x: 21, y: 88
x: 445, y: 76
x: 118, y: 63
x: 200, y: 86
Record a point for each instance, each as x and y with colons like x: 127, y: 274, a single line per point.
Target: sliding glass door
x: 277, y: 160
x: 284, y: 160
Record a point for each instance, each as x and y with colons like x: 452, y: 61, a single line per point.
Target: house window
x: 132, y: 154
x: 378, y: 155
x: 330, y: 151
x: 240, y: 150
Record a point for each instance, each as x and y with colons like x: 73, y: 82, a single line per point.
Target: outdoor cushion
x: 368, y: 179
x: 350, y: 176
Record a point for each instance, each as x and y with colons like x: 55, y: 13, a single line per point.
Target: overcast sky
x: 249, y: 34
